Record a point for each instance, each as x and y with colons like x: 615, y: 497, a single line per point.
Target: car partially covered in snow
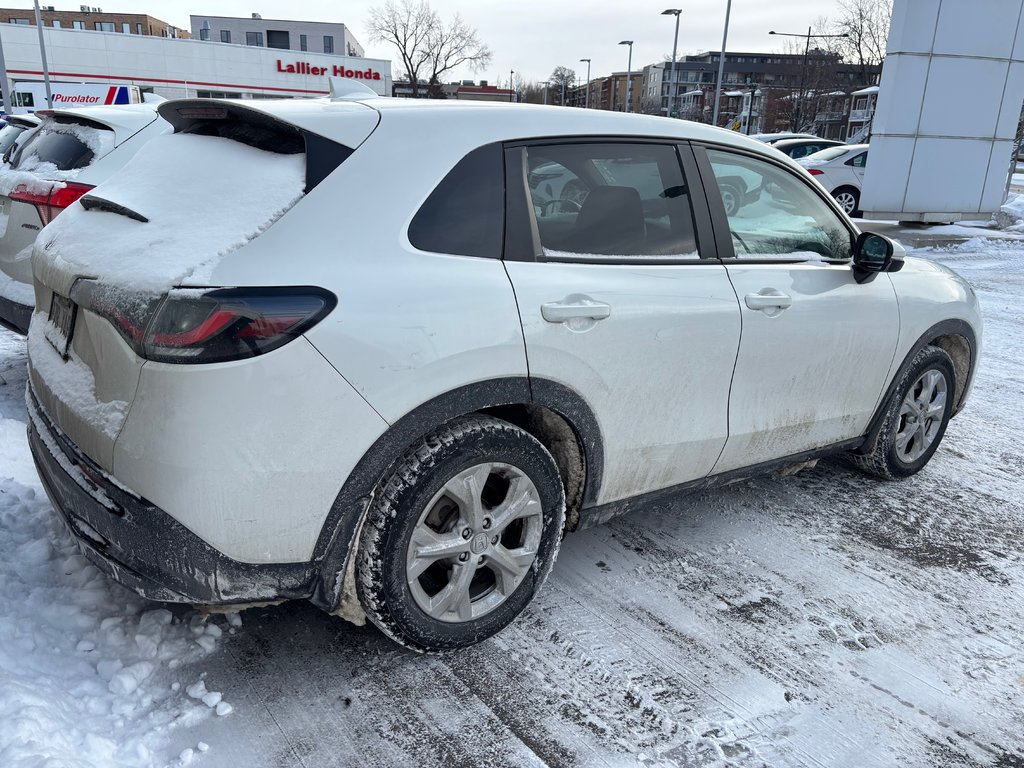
x: 284, y: 353
x: 70, y: 152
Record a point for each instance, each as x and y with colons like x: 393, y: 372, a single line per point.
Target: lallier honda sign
x: 337, y: 70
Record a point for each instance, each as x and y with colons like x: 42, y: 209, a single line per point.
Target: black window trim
x: 522, y: 237
x: 726, y: 250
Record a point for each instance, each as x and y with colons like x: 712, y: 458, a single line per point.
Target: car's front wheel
x: 915, y: 418
x: 460, y: 535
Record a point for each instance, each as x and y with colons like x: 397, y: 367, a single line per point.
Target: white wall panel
x: 949, y: 102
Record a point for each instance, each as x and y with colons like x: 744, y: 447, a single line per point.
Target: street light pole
x: 675, y: 44
x: 42, y: 55
x: 512, y: 85
x: 721, y: 63
x: 587, y: 105
x: 795, y: 119
x: 629, y: 76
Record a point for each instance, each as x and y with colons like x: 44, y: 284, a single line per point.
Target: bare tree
x: 866, y: 24
x: 562, y: 81
x: 428, y: 48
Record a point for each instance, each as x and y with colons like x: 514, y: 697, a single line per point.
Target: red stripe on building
x: 185, y: 83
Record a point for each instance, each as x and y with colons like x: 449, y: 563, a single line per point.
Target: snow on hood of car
x: 204, y: 197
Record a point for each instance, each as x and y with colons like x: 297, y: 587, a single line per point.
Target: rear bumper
x: 141, y: 546
x: 14, y: 315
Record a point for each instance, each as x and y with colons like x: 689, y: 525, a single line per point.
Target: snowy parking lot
x: 822, y: 619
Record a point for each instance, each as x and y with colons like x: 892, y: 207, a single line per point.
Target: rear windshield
x: 828, y: 154
x: 65, y: 146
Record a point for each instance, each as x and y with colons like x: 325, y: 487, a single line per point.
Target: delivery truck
x: 27, y: 97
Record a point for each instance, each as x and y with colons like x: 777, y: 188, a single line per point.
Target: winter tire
x: 460, y: 535
x: 915, y: 418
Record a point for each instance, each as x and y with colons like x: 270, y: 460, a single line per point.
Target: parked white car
x: 261, y: 369
x: 840, y: 170
x: 70, y: 152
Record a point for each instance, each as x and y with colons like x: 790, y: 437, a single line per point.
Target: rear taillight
x: 198, y: 325
x: 53, y: 202
x: 815, y: 172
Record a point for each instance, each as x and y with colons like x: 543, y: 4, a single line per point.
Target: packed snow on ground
x: 1011, y: 214
x: 823, y: 619
x: 244, y: 191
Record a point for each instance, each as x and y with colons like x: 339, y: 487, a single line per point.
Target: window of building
x: 138, y: 29
x: 56, y: 23
x: 105, y: 26
x: 78, y: 24
x: 218, y: 95
x: 126, y: 28
x: 328, y: 43
x: 204, y: 34
x: 254, y: 38
x: 278, y: 39
x: 225, y: 35
x: 303, y: 43
x: 621, y: 201
x: 19, y: 21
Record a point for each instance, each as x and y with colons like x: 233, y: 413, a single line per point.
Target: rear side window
x: 465, y: 214
x: 619, y: 200
x: 66, y: 146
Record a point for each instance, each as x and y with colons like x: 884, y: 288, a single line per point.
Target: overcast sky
x: 535, y: 36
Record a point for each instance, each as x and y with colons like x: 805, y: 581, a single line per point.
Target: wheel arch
x: 957, y: 339
x: 554, y: 414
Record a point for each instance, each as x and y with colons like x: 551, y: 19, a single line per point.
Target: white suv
x: 70, y: 152
x: 287, y: 353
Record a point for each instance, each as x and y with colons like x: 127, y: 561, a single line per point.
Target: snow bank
x: 88, y: 669
x: 204, y: 197
x: 1011, y: 215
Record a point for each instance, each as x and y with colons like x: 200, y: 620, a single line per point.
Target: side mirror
x: 875, y: 253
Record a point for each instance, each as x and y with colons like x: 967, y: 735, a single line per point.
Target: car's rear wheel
x: 848, y: 199
x: 461, y: 534
x: 915, y: 418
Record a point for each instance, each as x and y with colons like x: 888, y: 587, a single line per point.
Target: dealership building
x: 179, y: 68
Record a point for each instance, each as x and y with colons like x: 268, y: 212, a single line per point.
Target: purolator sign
x: 337, y: 70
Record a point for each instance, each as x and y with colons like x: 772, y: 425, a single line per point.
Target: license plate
x: 62, y: 320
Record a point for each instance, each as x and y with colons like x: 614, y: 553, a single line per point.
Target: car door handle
x: 575, y: 306
x: 768, y: 298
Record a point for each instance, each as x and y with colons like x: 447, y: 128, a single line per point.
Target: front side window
x: 773, y: 214
x: 610, y: 201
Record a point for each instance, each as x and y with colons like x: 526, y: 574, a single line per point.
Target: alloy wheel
x: 474, y: 543
x: 920, y: 416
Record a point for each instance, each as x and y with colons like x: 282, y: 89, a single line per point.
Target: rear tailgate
x: 104, y: 267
